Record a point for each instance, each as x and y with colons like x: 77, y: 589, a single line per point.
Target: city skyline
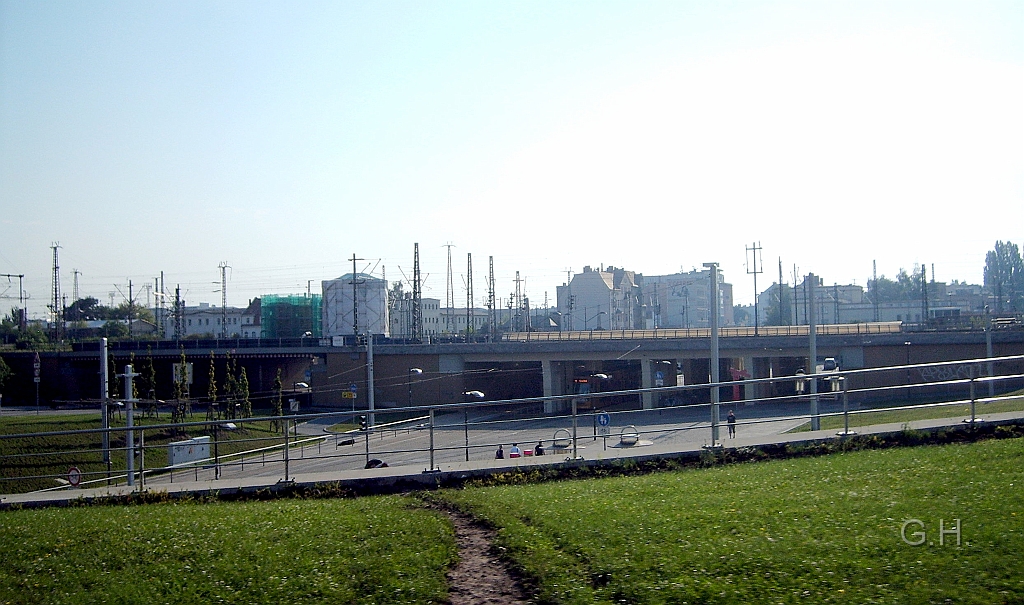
x: 282, y: 139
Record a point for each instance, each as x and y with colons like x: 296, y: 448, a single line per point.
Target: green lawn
x: 84, y: 450
x: 808, y: 530
x: 900, y: 416
x: 370, y: 550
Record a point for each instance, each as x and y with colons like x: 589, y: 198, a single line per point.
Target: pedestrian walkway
x: 415, y: 477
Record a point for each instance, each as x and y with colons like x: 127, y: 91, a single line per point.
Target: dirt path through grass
x: 480, y: 578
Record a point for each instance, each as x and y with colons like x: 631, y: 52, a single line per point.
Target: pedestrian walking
x: 731, y: 419
x: 500, y: 454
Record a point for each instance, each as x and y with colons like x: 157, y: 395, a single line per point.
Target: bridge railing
x: 888, y: 327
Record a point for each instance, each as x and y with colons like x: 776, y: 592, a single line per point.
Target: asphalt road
x: 409, y: 443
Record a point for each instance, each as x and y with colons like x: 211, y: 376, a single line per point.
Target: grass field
x: 815, y: 530
x: 805, y: 530
x: 372, y: 550
x: 36, y: 457
x: 899, y: 416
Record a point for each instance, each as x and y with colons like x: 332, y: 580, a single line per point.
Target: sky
x: 282, y: 138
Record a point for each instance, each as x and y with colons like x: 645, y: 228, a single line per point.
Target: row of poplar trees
x: 228, y: 403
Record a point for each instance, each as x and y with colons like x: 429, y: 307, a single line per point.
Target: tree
x: 147, y: 384
x: 780, y: 307
x: 135, y: 383
x: 86, y: 309
x: 182, y: 404
x: 230, y: 386
x: 10, y: 326
x: 278, y: 403
x: 6, y: 373
x: 211, y: 392
x: 114, y: 330
x: 243, y: 394
x: 137, y: 312
x: 31, y: 338
x: 112, y: 383
x: 740, y: 316
x: 1004, y: 276
x: 906, y: 287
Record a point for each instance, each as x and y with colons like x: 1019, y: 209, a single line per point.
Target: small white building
x: 206, y: 320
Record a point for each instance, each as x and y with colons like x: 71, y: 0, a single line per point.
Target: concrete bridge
x: 519, y: 365
x: 552, y: 363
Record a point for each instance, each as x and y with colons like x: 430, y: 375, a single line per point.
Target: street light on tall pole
x: 713, y: 306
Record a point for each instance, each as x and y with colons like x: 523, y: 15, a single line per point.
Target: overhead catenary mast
x: 449, y: 295
x: 55, y: 301
x: 469, y: 293
x: 417, y: 296
x: 223, y: 266
x: 754, y: 269
x: 355, y: 303
x: 492, y: 316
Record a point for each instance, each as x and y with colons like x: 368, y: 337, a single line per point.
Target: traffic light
x: 362, y: 423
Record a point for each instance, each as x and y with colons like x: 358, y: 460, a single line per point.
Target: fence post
x: 142, y: 458
x: 287, y: 430
x: 973, y: 397
x: 216, y: 452
x: 574, y: 455
x: 431, y: 422
x: 465, y: 428
x: 846, y: 410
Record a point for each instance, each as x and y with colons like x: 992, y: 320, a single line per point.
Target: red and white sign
x: 74, y: 476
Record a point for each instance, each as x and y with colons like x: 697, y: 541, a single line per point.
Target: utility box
x: 190, y: 450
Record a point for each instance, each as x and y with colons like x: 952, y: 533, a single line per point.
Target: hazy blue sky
x: 284, y: 137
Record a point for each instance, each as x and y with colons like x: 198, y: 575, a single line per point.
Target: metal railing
x: 469, y: 433
x: 892, y: 327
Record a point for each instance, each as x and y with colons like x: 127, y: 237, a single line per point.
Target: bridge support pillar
x: 751, y: 391
x: 554, y: 385
x: 646, y: 382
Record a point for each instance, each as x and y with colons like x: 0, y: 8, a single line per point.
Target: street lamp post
x: 412, y: 372
x: 469, y: 396
x: 714, y: 310
x: 812, y: 329
x: 599, y: 377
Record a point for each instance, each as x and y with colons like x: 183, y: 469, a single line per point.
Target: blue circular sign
x: 604, y: 419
